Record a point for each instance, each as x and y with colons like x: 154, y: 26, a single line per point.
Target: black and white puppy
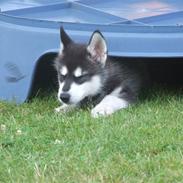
x: 87, y: 73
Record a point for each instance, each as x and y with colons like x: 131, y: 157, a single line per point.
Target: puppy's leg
x: 64, y: 108
x: 109, y: 105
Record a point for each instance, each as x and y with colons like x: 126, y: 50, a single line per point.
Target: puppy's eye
x: 82, y: 78
x: 62, y: 77
x: 78, y: 77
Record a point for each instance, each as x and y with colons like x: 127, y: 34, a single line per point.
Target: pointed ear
x: 97, y: 48
x: 65, y: 39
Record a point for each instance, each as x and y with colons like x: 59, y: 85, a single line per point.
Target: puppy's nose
x: 65, y: 97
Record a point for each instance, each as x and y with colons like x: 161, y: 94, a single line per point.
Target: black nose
x: 65, y: 97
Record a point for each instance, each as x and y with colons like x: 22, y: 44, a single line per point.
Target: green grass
x: 143, y: 143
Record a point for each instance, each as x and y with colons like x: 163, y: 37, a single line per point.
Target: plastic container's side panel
x: 136, y: 44
x: 146, y: 44
x: 20, y: 48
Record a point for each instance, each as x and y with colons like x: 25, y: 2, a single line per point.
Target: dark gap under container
x: 164, y: 72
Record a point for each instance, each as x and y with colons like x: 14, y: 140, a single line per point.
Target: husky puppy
x: 87, y: 74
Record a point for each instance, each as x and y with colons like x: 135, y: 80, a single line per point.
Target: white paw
x: 57, y: 109
x: 64, y: 108
x: 101, y: 111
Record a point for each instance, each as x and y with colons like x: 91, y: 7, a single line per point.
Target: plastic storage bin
x: 30, y: 29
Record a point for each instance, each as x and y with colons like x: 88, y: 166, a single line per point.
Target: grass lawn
x: 143, y: 143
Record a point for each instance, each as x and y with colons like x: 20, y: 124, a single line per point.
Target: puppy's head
x: 79, y: 67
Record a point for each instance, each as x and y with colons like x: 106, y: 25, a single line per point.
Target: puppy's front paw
x: 64, y: 108
x: 101, y: 111
x: 57, y: 109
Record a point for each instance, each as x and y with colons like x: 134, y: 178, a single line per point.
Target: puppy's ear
x: 65, y: 39
x: 97, y: 48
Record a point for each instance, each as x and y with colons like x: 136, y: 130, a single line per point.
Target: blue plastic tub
x: 29, y: 30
